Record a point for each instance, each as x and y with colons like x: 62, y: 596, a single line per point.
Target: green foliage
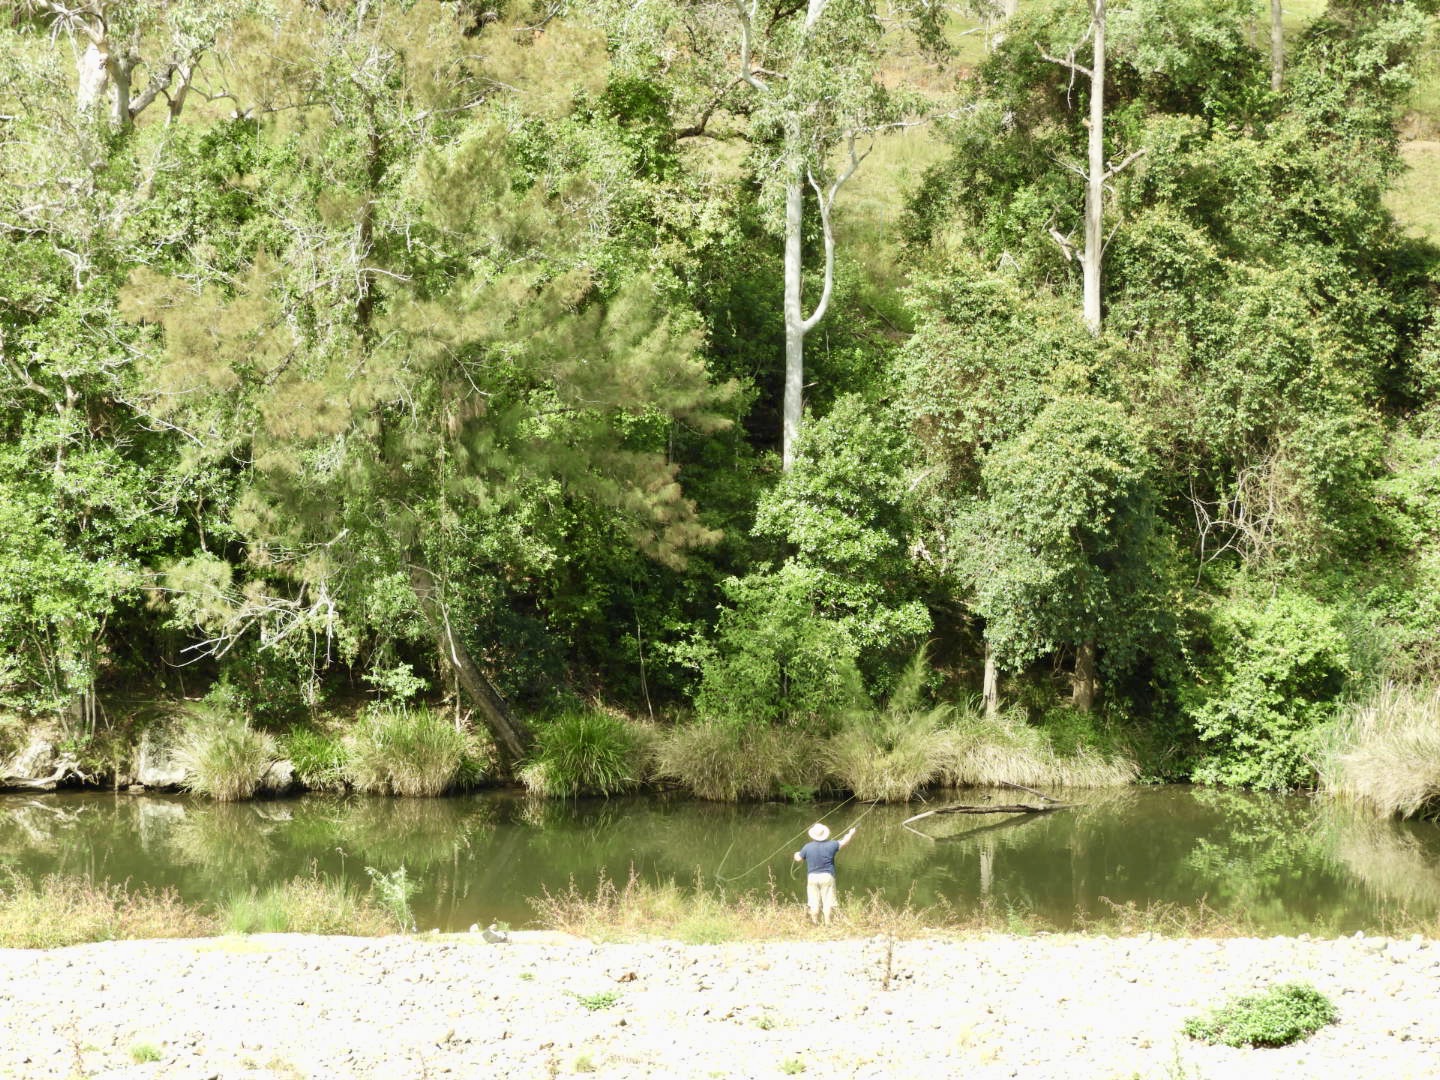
x: 413, y: 752
x: 318, y: 757
x: 144, y: 1053
x: 602, y: 999
x: 584, y: 751
x: 775, y: 659
x: 1278, y: 1017
x: 1279, y: 666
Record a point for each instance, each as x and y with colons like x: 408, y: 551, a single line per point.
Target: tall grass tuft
x: 406, y: 752
x: 223, y: 756
x: 1385, y: 753
x: 726, y: 762
x: 59, y: 911
x: 305, y: 905
x: 587, y: 752
x: 986, y: 751
x: 888, y: 754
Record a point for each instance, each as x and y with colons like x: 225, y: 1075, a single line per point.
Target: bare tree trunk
x: 512, y: 738
x: 1095, y: 180
x: 990, y: 689
x: 1277, y: 46
x: 92, y: 71
x: 794, y: 320
x: 1087, y: 676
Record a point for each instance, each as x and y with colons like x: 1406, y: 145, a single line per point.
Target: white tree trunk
x: 990, y: 690
x: 794, y: 320
x: 1277, y: 46
x: 92, y: 69
x: 1090, y: 262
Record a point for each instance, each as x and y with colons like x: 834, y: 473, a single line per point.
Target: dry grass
x: 987, y: 753
x: 1415, y: 199
x: 58, y: 911
x: 306, y: 905
x: 1386, y: 754
x: 701, y: 913
x: 725, y: 763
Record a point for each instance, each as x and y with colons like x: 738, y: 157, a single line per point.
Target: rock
x: 37, y: 758
x: 278, y: 779
x: 156, y: 765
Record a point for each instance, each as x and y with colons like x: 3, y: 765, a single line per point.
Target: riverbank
x: 544, y: 1005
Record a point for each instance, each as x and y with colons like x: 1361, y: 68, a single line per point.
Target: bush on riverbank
x: 587, y: 752
x: 1385, y: 753
x: 726, y: 762
x: 222, y: 755
x: 415, y: 752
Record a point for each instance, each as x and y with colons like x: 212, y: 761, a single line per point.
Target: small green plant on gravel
x: 792, y: 1066
x: 586, y: 752
x: 765, y: 1022
x: 602, y: 1000
x: 1278, y: 1017
x: 584, y: 1064
x: 393, y: 892
x: 143, y: 1053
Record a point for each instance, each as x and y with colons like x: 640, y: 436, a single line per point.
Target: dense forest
x: 767, y: 395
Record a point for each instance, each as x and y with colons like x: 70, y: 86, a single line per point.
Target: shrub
x: 405, y: 752
x: 1278, y: 1017
x: 222, y: 755
x: 586, y: 752
x: 1280, y: 665
x: 1385, y: 752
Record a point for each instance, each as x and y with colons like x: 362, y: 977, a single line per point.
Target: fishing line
x: 722, y: 879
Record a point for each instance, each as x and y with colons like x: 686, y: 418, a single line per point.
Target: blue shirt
x: 819, y: 856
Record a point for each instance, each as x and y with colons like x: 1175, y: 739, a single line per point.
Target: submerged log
x: 991, y: 808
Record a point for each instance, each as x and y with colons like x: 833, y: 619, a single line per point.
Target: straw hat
x: 819, y: 832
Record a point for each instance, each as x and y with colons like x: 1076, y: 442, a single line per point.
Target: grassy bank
x: 63, y: 910
x: 1385, y: 753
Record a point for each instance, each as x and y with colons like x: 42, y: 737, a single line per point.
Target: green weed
x: 143, y: 1053
x: 1278, y: 1017
x: 586, y: 752
x: 415, y: 752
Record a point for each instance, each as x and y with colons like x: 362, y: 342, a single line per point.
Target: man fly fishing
x: 819, y: 858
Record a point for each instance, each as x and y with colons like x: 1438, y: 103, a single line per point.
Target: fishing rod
x: 722, y: 879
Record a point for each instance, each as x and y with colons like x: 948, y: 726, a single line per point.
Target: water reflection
x: 1287, y: 864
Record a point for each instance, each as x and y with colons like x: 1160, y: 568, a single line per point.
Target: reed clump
x: 588, y: 752
x: 59, y: 910
x: 726, y: 762
x: 1385, y: 753
x: 223, y: 756
x: 988, y: 751
x: 413, y: 752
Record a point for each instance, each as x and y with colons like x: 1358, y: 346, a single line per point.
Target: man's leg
x: 812, y: 896
x: 827, y: 896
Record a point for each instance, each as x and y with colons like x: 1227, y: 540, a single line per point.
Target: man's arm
x: 846, y: 838
x: 799, y: 855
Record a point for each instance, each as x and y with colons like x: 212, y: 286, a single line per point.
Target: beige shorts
x: 820, y: 892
